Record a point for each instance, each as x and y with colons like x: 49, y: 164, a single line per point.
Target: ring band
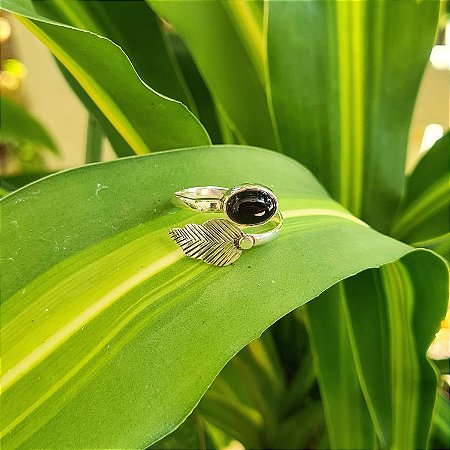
x: 220, y: 241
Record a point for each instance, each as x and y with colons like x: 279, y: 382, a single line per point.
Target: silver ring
x: 220, y: 241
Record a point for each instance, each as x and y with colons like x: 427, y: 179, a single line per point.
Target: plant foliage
x: 111, y: 337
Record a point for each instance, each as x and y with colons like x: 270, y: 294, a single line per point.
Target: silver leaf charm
x: 217, y: 241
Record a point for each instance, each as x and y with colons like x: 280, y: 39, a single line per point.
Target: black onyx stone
x: 251, y: 207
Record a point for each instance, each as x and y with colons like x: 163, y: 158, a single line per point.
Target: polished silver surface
x: 201, y: 199
x: 215, y: 242
x: 270, y: 235
x: 220, y: 241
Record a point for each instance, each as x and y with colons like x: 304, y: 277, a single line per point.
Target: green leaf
x: 189, y: 435
x: 343, y: 78
x: 13, y: 182
x: 207, y: 110
x: 441, y: 420
x: 396, y: 380
x: 118, y: 143
x: 232, y: 67
x: 348, y: 420
x: 396, y: 310
x: 116, y: 331
x: 146, y: 120
x: 343, y: 81
x: 134, y: 27
x: 423, y: 216
x: 19, y: 125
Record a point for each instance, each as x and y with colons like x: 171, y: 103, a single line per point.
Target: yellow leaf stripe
x: 400, y: 298
x: 93, y: 89
x: 152, y: 297
x: 157, y: 263
x: 88, y: 314
x: 350, y: 35
x: 322, y: 212
x: 62, y: 334
x: 250, y: 31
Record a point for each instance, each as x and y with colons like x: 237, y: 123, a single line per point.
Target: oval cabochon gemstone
x: 251, y: 207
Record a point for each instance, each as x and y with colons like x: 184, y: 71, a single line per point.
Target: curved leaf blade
x: 422, y: 219
x: 146, y: 120
x: 343, y: 80
x: 134, y: 27
x: 119, y: 144
x: 397, y: 383
x: 95, y: 321
x: 207, y: 110
x: 235, y: 80
x: 348, y: 420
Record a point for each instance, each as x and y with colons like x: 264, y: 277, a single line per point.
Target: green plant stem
x: 94, y: 140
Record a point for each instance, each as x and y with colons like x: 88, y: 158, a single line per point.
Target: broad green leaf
x: 119, y: 144
x: 18, y: 125
x: 110, y: 335
x: 134, y: 27
x: 395, y: 311
x: 343, y: 79
x: 232, y: 66
x: 397, y: 381
x: 348, y: 420
x: 441, y: 420
x: 207, y: 110
x: 146, y: 120
x: 244, y: 400
x: 423, y: 217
